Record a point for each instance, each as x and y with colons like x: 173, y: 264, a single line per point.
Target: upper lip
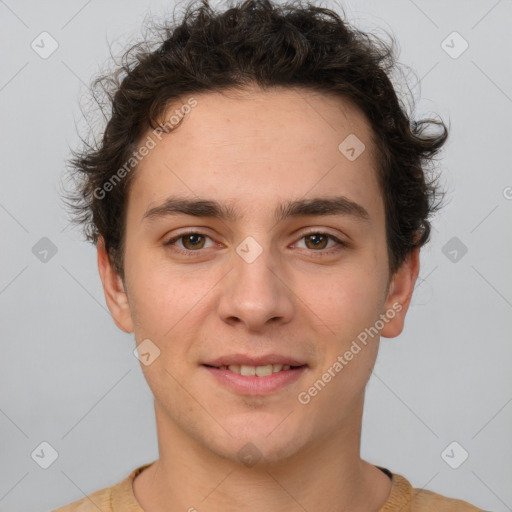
x: 242, y: 359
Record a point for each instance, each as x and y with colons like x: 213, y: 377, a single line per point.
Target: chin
x: 265, y: 441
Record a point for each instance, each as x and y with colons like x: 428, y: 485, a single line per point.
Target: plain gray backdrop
x: 68, y: 374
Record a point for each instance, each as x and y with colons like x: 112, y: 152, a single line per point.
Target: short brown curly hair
x: 268, y: 45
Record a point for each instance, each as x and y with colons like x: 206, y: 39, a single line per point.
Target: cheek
x: 166, y: 300
x: 347, y: 300
x: 349, y: 306
x: 152, y: 297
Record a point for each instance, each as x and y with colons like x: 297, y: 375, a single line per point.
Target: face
x: 284, y: 278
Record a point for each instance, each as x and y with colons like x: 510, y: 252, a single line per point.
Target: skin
x: 255, y: 150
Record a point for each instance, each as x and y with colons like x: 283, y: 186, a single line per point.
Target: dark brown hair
x: 268, y: 45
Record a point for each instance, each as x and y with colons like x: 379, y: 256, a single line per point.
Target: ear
x: 115, y: 295
x: 400, y: 293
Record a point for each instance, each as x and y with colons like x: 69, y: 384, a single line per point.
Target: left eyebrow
x: 319, y: 206
x: 322, y: 206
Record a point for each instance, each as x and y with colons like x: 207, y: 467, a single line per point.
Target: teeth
x: 248, y: 370
x: 260, y: 371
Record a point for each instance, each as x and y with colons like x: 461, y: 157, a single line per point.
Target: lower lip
x: 253, y: 385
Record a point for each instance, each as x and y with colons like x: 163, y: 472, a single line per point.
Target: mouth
x: 256, y: 371
x: 255, y: 380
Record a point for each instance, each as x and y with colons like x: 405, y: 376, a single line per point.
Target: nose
x: 256, y: 293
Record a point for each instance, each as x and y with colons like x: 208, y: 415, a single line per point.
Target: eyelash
x: 320, y: 253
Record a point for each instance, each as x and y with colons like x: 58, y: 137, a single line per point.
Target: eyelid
x: 340, y: 243
x: 175, y: 238
x: 312, y: 231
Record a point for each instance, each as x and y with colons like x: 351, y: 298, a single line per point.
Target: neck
x: 327, y: 474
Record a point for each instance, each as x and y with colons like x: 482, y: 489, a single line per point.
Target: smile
x: 260, y: 371
x: 255, y: 380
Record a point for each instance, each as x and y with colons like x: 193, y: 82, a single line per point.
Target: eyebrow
x: 318, y: 206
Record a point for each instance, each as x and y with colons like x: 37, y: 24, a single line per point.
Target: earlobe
x: 400, y: 294
x: 113, y: 288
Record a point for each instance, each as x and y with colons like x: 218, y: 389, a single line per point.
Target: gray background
x: 68, y: 375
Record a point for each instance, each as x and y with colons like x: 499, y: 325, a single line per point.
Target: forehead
x: 293, y: 116
x: 253, y: 145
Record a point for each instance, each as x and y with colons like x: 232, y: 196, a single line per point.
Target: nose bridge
x: 254, y: 292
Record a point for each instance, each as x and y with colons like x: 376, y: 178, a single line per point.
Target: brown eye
x: 188, y: 243
x: 191, y: 241
x: 318, y: 240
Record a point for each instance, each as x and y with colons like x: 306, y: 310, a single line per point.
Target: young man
x: 258, y: 200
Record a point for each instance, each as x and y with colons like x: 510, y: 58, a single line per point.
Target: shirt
x: 403, y: 498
